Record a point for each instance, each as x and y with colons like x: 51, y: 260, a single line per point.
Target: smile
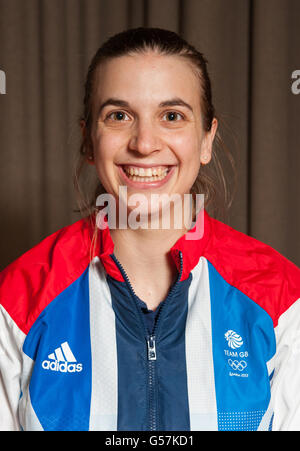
x: 143, y: 177
x: 141, y: 174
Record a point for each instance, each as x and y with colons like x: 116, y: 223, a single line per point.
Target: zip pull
x: 151, y: 348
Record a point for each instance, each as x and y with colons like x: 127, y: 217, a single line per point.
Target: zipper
x: 151, y: 348
x: 150, y: 340
x: 153, y: 410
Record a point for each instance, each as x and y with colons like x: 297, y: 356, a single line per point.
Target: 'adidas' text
x: 63, y: 367
x: 62, y: 360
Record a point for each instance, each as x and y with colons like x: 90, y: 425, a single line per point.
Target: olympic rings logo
x: 236, y: 365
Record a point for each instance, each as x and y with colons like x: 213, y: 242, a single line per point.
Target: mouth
x: 146, y: 176
x: 143, y: 174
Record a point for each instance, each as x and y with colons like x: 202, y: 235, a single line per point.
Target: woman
x: 108, y: 327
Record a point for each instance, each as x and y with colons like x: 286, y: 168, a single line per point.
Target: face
x: 147, y: 132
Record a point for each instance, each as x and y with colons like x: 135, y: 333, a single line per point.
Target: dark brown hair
x: 211, y: 180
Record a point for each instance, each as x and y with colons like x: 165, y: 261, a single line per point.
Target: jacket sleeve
x: 11, y: 342
x: 285, y: 384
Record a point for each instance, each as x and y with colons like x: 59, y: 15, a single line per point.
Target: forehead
x: 147, y: 77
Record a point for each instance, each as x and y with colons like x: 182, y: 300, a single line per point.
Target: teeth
x: 146, y: 172
x: 136, y: 178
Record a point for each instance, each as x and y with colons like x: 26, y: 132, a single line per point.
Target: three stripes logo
x: 62, y: 360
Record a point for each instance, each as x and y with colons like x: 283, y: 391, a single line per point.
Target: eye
x: 118, y: 116
x: 172, y: 116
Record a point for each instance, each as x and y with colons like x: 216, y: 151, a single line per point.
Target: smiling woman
x: 124, y: 58
x: 156, y: 136
x: 135, y: 328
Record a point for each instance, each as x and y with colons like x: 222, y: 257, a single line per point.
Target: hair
x: 211, y: 180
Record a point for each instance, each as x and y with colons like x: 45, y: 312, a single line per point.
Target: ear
x: 207, y: 143
x: 87, y: 141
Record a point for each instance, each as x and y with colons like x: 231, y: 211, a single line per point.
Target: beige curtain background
x: 45, y: 48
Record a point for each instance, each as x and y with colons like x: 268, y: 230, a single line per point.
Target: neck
x: 144, y: 253
x: 144, y: 245
x: 145, y: 256
x: 151, y: 242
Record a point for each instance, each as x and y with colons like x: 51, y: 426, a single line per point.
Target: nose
x: 144, y: 138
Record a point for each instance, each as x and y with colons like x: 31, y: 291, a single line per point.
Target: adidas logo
x: 62, y: 360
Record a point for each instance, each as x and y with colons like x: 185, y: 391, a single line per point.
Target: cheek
x: 103, y: 156
x: 106, y: 146
x: 106, y: 151
x: 188, y: 152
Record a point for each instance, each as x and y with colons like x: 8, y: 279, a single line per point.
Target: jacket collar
x: 191, y: 245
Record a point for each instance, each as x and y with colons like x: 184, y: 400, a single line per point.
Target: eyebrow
x: 175, y: 102
x: 114, y: 102
x: 123, y: 104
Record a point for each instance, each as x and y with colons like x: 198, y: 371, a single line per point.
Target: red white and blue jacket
x: 77, y: 354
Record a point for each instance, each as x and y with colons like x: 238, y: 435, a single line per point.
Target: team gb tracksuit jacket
x: 223, y: 354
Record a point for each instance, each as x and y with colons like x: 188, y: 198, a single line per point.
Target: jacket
x: 222, y: 352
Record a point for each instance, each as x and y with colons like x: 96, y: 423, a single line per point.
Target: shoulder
x: 33, y: 280
x: 253, y: 267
